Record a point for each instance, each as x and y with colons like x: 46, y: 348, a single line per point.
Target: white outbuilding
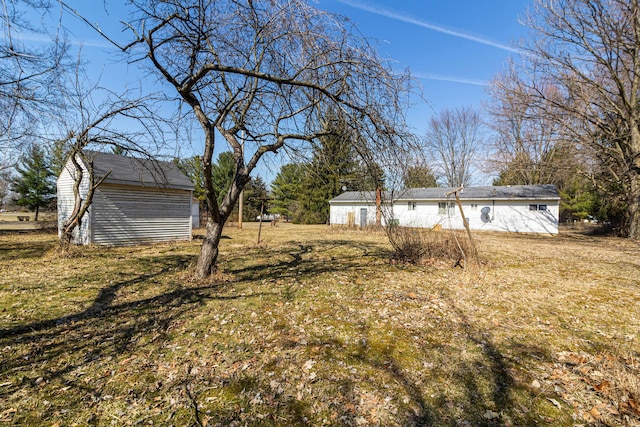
x: 515, y: 208
x: 139, y: 201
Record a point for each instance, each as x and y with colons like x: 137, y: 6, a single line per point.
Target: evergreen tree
x: 286, y: 188
x: 58, y: 155
x: 192, y: 168
x: 34, y: 183
x: 222, y: 175
x: 560, y: 165
x: 255, y: 193
x: 419, y: 177
x: 368, y: 176
x: 119, y: 150
x: 302, y: 191
x: 332, y: 166
x: 578, y: 201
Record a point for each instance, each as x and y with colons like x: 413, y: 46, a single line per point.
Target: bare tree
x: 588, y: 52
x: 452, y: 145
x: 4, y: 187
x: 29, y: 74
x: 265, y: 67
x: 44, y: 95
x: 526, y: 149
x: 99, y: 116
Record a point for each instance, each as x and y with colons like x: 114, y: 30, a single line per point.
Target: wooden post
x: 378, y: 206
x: 240, y: 203
x: 261, y: 215
x: 465, y: 223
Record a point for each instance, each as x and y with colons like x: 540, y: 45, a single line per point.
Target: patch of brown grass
x: 314, y: 326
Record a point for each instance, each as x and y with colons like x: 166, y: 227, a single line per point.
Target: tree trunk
x: 378, y: 206
x: 634, y: 207
x: 209, y: 250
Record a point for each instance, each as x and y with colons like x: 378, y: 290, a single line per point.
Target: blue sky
x: 453, y: 47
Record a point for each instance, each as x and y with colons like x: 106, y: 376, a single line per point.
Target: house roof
x: 508, y: 192
x: 137, y: 171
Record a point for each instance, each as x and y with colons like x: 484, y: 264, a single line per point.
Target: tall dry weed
x: 415, y: 245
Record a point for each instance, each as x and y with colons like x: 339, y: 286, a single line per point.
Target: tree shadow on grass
x: 308, y: 259
x: 484, y: 391
x: 14, y: 251
x: 56, y: 352
x: 55, y: 360
x: 252, y: 398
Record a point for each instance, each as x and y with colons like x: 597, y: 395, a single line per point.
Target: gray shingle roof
x: 137, y: 171
x: 509, y: 192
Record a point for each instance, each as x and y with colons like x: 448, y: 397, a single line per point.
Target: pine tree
x: 285, y: 190
x: 222, y: 175
x: 34, y: 183
x: 255, y: 194
x: 192, y: 168
x: 302, y: 191
x: 419, y: 177
x: 58, y: 155
x: 332, y: 166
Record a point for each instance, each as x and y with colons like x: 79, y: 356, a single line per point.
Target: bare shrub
x: 416, y: 245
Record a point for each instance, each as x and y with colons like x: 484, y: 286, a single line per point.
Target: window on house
x: 412, y: 206
x: 537, y: 207
x: 445, y: 208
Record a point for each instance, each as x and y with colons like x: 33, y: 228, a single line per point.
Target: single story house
x: 515, y: 208
x: 139, y: 201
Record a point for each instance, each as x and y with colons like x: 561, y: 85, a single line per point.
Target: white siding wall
x: 339, y: 213
x: 503, y: 215
x: 515, y: 216
x: 425, y: 214
x: 195, y: 213
x: 127, y: 215
x: 66, y: 202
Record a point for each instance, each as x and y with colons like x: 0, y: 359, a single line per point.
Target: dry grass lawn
x: 314, y: 326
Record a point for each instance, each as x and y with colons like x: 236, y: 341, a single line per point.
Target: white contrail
x: 410, y: 20
x: 45, y: 38
x: 429, y: 76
